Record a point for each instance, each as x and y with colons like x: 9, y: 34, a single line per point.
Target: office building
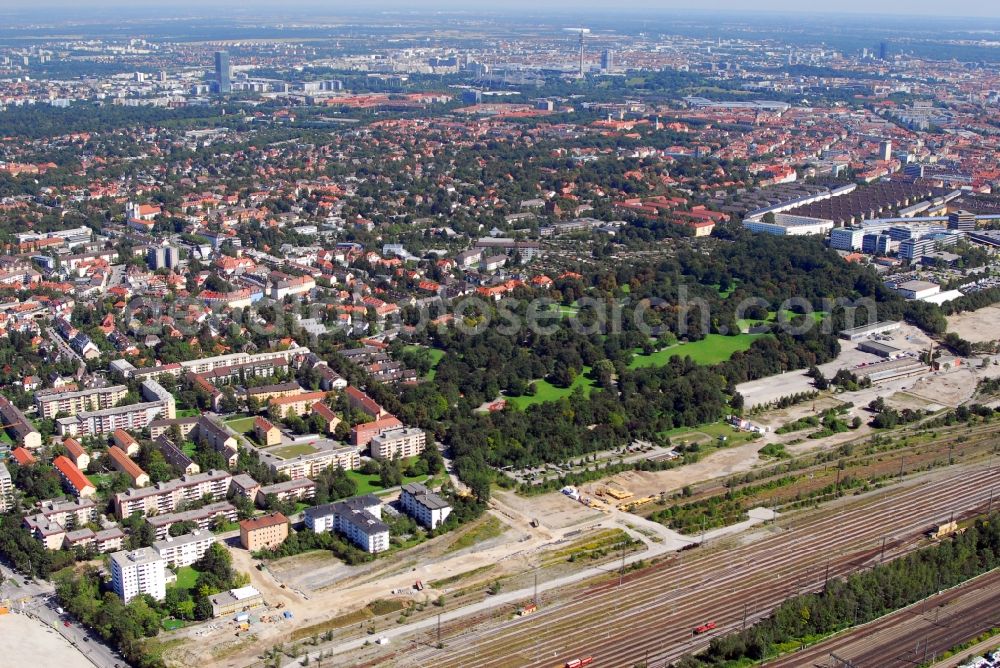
x: 846, y: 238
x: 962, y: 221
x: 472, y: 97
x: 223, y: 72
x: 883, y: 51
x: 424, y: 506
x: 885, y: 150
x: 163, y: 257
x: 263, y: 533
x: 138, y: 572
x: 607, y: 60
x: 877, y: 244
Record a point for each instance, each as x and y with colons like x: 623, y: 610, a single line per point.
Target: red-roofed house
x: 73, y: 478
x: 77, y: 454
x: 358, y: 400
x: 265, y: 432
x: 124, y: 463
x: 23, y: 457
x: 124, y: 440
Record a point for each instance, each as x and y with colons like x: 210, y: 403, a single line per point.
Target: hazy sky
x: 954, y: 8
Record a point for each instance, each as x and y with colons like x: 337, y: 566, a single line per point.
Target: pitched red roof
x: 74, y: 448
x: 125, y: 463
x: 71, y: 474
x: 271, y: 520
x: 23, y: 457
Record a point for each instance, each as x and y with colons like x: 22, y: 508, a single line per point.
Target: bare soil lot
x: 977, y: 326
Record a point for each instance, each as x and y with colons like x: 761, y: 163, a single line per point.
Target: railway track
x: 912, y: 636
x: 651, y: 615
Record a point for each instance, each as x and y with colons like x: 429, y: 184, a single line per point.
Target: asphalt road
x: 37, y: 599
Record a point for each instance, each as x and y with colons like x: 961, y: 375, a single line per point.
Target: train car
x: 579, y: 663
x: 704, y: 628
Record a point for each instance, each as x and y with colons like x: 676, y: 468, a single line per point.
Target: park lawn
x: 369, y: 484
x: 772, y: 316
x: 436, y: 355
x: 546, y: 391
x: 241, y: 425
x: 187, y: 578
x: 294, y: 450
x: 725, y: 293
x: 188, y: 412
x: 713, y: 349
x: 173, y: 624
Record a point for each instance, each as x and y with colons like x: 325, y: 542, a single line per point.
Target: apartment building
x: 122, y: 462
x: 175, y: 456
x: 359, y: 519
x: 203, y: 517
x: 360, y: 401
x: 51, y: 404
x: 180, y: 551
x: 138, y: 572
x: 405, y: 442
x: 296, y: 490
x: 6, y: 489
x: 76, y: 453
x: 263, y: 533
x: 264, y: 393
x: 124, y: 440
x: 265, y: 432
x: 423, y: 505
x: 111, y: 539
x: 73, y: 478
x: 164, y: 497
x: 362, y: 434
x: 207, y: 364
x: 20, y: 429
x: 300, y: 404
x: 326, y: 454
x: 159, y: 427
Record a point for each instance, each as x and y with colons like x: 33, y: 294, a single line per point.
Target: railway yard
x: 735, y: 581
x: 913, y: 636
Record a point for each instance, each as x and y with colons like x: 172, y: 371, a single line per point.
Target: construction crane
x: 582, y: 31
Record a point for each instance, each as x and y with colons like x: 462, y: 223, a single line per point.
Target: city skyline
x: 913, y: 8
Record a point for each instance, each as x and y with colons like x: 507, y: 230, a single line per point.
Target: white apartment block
x: 138, y: 572
x: 164, y: 497
x: 6, y: 490
x: 159, y: 404
x: 405, y: 442
x: 78, y: 401
x: 359, y: 519
x: 184, y: 550
x: 424, y: 506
